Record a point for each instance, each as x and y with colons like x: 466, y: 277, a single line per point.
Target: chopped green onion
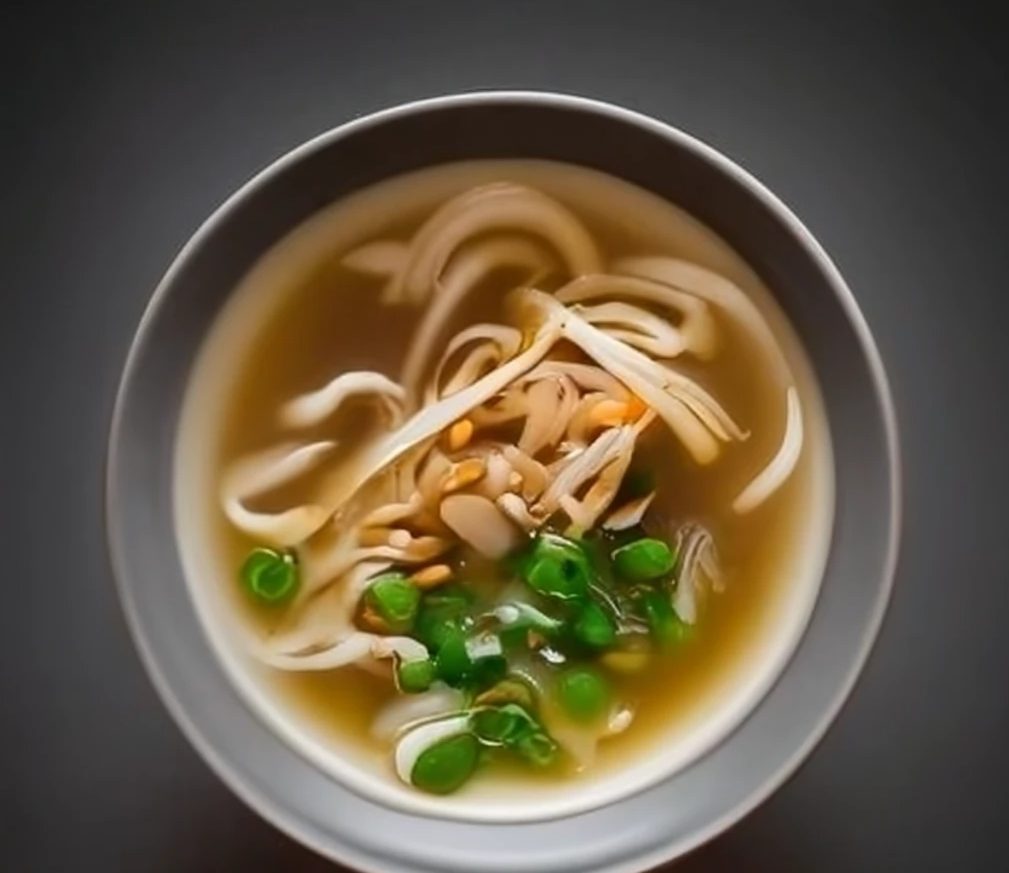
x: 499, y: 726
x: 452, y: 662
x: 270, y: 576
x: 583, y: 694
x: 594, y: 627
x: 558, y: 568
x: 446, y: 765
x: 395, y: 599
x: 520, y: 620
x: 413, y: 677
x: 474, y: 663
x: 513, y: 727
x: 665, y: 624
x: 643, y: 559
x: 524, y: 615
x: 537, y: 748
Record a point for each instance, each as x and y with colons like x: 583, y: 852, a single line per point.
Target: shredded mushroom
x: 697, y: 561
x: 667, y: 393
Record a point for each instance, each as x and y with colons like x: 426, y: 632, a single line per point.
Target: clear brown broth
x: 326, y: 319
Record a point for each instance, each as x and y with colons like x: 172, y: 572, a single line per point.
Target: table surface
x: 125, y: 124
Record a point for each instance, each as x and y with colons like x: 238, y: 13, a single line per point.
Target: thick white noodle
x: 324, y: 619
x: 504, y: 206
x: 263, y: 471
x: 495, y: 343
x: 585, y: 376
x: 412, y: 272
x: 637, y: 327
x: 466, y: 272
x: 356, y: 647
x: 780, y: 467
x: 403, y: 710
x: 715, y: 289
x: 697, y: 327
x: 316, y: 406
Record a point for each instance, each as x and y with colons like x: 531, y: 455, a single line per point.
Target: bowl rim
x: 259, y: 800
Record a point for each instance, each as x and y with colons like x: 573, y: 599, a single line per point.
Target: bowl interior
x: 712, y: 711
x: 712, y: 791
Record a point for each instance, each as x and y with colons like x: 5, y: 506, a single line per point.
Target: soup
x: 498, y: 471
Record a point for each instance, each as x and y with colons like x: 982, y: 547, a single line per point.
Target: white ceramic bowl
x: 727, y: 761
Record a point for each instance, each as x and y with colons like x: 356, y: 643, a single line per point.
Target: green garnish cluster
x: 582, y: 601
x: 446, y: 765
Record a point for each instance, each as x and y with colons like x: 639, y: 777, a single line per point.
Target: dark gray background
x: 125, y: 125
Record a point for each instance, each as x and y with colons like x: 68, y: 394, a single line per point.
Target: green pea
x: 396, y: 599
x: 537, y: 748
x: 583, y: 694
x: 558, y: 568
x: 271, y: 577
x: 643, y: 559
x: 594, y: 627
x: 662, y: 619
x: 414, y: 677
x: 440, y: 617
x: 445, y: 766
x: 433, y: 629
x: 452, y: 662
